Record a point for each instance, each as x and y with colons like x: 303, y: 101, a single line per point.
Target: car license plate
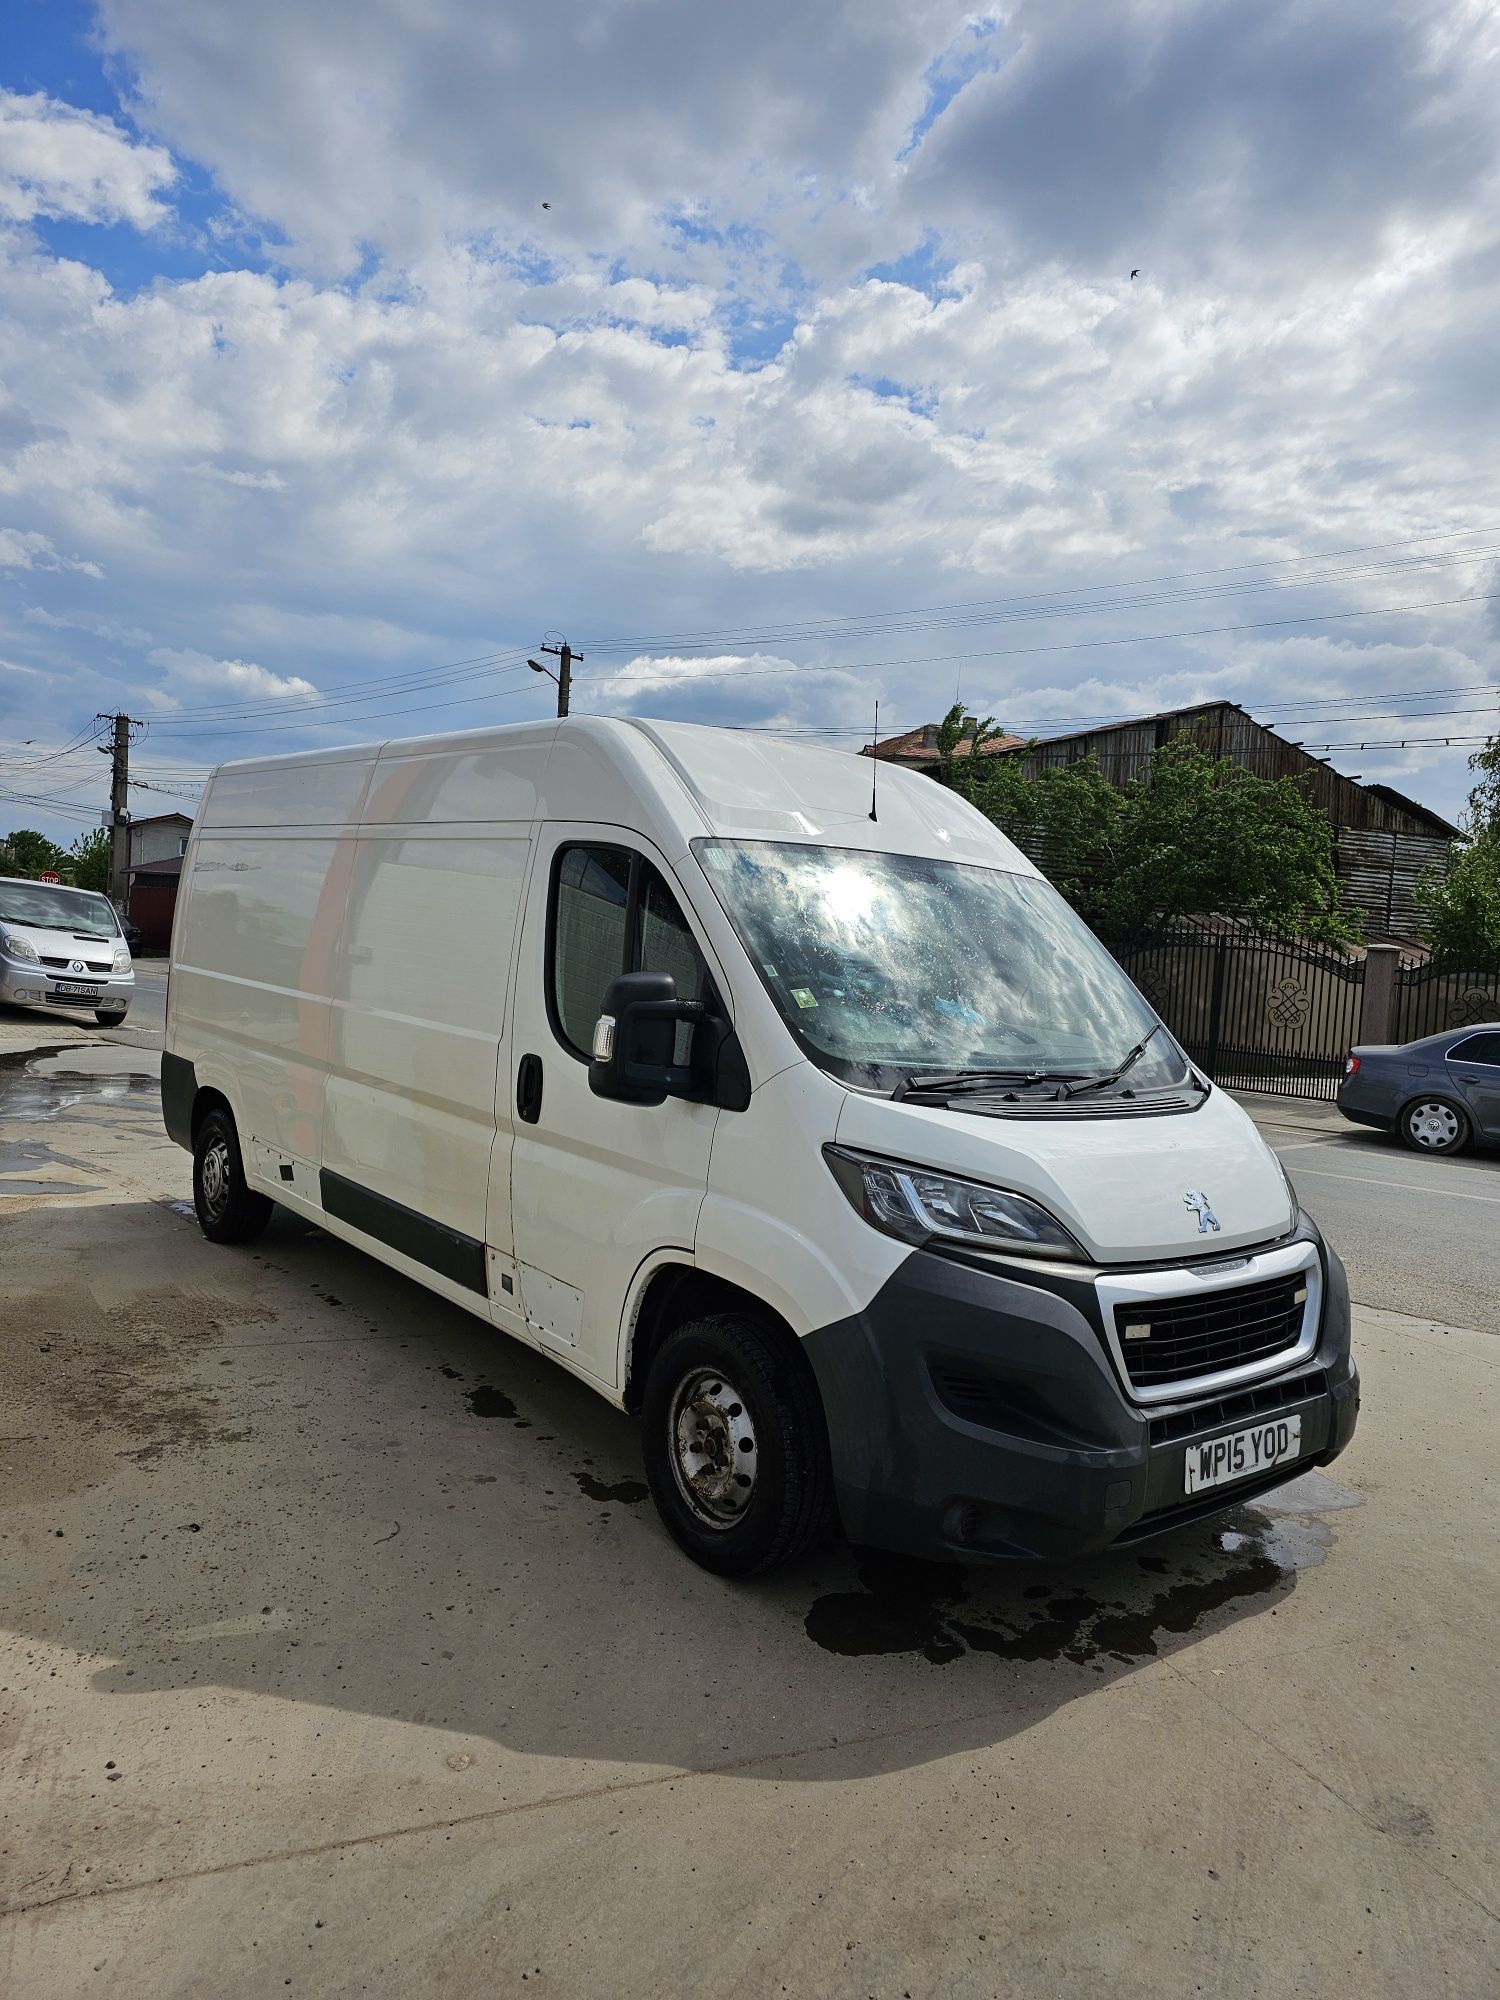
x: 1242, y: 1454
x: 76, y: 990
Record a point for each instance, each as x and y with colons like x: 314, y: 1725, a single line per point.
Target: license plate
x: 1242, y: 1454
x: 74, y: 990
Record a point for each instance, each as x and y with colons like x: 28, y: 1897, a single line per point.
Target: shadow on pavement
x: 286, y: 1470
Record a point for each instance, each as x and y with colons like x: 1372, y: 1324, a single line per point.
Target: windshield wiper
x: 957, y: 1082
x: 1113, y: 1075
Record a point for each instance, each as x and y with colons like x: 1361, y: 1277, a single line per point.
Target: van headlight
x: 122, y: 958
x: 921, y: 1206
x: 18, y: 947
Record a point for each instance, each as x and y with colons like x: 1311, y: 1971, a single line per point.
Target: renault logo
x: 77, y: 966
x: 1198, y: 1203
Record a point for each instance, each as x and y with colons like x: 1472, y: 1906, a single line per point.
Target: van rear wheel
x: 735, y: 1446
x: 229, y: 1209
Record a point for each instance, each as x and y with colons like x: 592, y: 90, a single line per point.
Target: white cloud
x: 677, y: 404
x: 200, y: 673
x: 59, y: 161
x: 30, y: 550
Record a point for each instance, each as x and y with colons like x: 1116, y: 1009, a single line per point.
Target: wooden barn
x: 1384, y: 839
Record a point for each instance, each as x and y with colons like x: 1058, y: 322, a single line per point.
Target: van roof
x: 705, y: 780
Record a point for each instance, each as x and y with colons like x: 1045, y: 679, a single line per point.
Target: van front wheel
x: 735, y: 1447
x: 229, y: 1209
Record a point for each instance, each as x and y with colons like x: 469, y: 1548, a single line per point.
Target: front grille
x: 1178, y: 1340
x: 91, y: 964
x: 70, y: 999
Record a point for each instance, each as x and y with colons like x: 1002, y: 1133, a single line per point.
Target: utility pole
x: 118, y: 752
x: 563, y: 653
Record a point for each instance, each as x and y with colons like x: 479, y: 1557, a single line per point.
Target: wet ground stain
x: 490, y: 1402
x: 29, y: 1099
x: 925, y: 1609
x: 486, y: 1401
x: 934, y: 1611
x: 15, y: 1059
x: 630, y: 1491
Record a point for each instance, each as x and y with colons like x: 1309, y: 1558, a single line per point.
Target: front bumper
x: 977, y: 1413
x: 23, y: 984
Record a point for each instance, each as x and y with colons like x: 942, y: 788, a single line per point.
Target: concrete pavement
x: 342, y: 1653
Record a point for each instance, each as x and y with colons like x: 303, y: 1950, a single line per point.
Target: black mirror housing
x: 635, y: 1040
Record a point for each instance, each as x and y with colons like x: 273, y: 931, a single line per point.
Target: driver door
x: 596, y: 1186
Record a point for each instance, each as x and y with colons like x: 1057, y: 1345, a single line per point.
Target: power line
x: 1061, y: 646
x: 1024, y: 605
x: 395, y: 684
x: 1041, y: 604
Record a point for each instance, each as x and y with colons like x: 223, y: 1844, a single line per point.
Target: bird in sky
x: 547, y: 204
x: 1134, y: 274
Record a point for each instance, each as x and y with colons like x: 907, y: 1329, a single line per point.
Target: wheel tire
x: 229, y: 1209
x: 1433, y: 1125
x: 108, y: 1020
x: 729, y: 1382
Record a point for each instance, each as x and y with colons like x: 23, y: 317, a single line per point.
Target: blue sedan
x: 1437, y: 1094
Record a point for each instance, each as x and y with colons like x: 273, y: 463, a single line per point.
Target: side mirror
x: 635, y: 1037
x: 635, y: 1040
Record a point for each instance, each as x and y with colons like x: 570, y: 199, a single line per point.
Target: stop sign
x: 48, y: 875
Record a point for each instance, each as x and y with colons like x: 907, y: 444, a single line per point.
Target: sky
x: 783, y: 358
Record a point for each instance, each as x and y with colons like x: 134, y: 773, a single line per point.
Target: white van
x: 825, y: 1138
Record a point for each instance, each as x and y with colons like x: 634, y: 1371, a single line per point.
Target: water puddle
x: 28, y: 1098
x: 1111, y: 1608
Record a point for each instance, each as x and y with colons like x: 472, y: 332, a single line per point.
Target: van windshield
x: 887, y: 965
x: 51, y: 907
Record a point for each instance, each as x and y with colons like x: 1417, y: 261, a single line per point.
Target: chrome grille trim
x: 1147, y: 1288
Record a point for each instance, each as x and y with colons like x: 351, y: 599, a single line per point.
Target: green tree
x: 1199, y: 835
x: 33, y: 853
x: 88, y: 859
x: 1068, y: 819
x: 1461, y: 910
x: 1202, y: 834
x: 964, y: 772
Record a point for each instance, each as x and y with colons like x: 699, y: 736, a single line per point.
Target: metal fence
x: 1426, y: 1001
x: 1257, y: 1012
x: 1271, y: 1013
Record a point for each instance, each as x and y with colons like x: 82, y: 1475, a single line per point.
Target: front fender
x: 792, y: 1273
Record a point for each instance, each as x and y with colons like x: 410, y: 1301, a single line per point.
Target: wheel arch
x: 207, y: 1099
x: 669, y: 1294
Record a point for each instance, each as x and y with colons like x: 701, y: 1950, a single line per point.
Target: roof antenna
x: 875, y: 757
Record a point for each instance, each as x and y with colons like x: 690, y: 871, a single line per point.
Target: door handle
x: 529, y: 1089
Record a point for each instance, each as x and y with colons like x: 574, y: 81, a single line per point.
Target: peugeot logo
x: 1198, y: 1203
x: 77, y: 966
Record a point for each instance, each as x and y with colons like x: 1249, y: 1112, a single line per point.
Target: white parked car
x: 827, y: 1139
x: 62, y: 947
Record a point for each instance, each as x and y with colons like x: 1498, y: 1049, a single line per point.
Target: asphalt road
x: 1417, y: 1236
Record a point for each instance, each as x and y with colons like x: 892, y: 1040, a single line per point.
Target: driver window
x: 613, y: 913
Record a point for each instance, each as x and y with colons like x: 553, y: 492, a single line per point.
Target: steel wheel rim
x: 712, y: 1444
x: 214, y: 1175
x: 1433, y: 1126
